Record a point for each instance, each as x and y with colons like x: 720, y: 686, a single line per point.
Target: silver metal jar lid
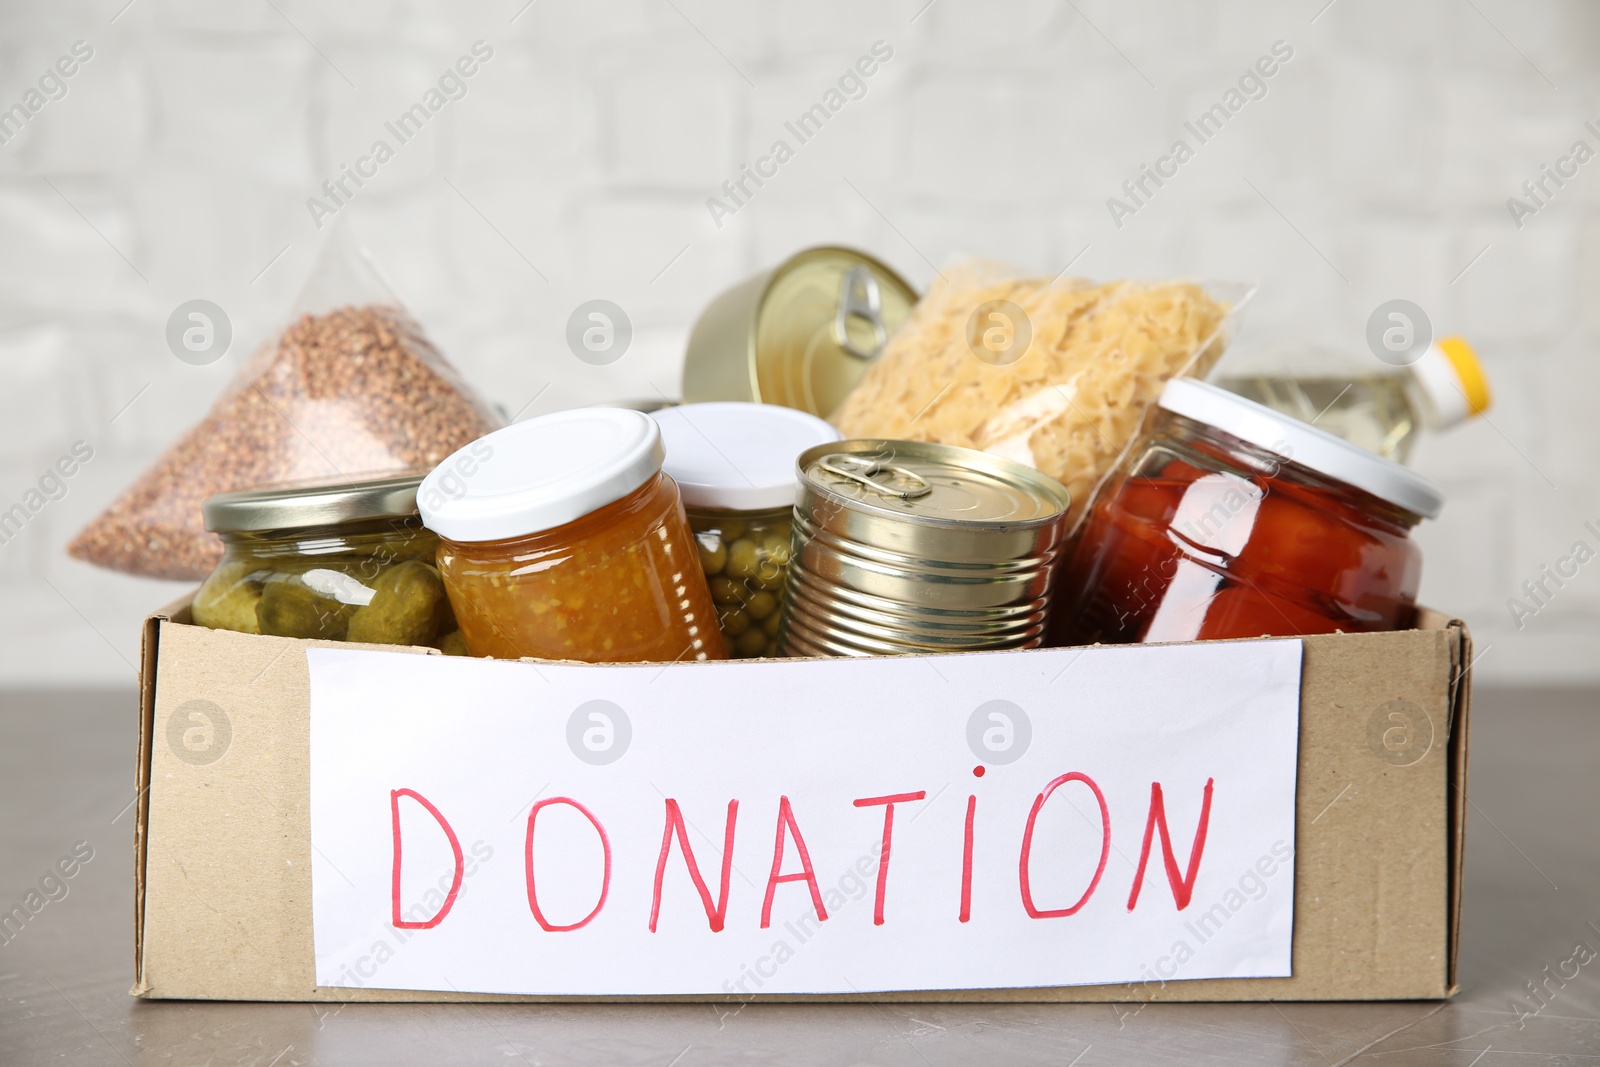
x: 304, y: 504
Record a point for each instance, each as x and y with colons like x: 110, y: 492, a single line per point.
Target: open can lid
x: 1303, y: 444
x: 929, y: 484
x: 536, y: 475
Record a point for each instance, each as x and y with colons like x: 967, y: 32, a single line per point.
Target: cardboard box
x: 223, y: 847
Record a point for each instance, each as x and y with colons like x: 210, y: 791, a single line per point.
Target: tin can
x: 800, y: 335
x: 906, y: 546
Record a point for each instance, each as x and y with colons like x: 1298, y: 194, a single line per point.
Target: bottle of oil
x: 1381, y: 410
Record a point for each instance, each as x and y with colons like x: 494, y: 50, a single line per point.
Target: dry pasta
x: 1099, y: 357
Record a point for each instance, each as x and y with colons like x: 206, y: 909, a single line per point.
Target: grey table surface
x: 1533, y: 864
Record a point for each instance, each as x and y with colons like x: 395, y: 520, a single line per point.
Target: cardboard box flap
x: 1459, y: 735
x: 149, y: 656
x: 149, y: 653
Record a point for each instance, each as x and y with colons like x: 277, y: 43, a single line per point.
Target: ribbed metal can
x: 907, y: 547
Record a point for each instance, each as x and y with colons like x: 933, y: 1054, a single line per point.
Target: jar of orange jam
x: 1229, y: 519
x: 560, y: 538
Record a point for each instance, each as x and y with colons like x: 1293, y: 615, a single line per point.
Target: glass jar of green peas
x: 745, y: 555
x: 735, y: 467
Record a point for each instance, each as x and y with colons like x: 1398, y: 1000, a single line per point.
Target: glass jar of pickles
x: 734, y: 463
x: 560, y: 538
x: 347, y: 561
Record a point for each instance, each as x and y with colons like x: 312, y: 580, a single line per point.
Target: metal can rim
x: 751, y: 367
x: 1041, y: 485
x: 709, y: 370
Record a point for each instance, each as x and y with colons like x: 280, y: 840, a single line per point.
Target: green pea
x: 744, y: 559
x: 761, y: 605
x: 727, y: 591
x: 775, y: 546
x: 713, y: 557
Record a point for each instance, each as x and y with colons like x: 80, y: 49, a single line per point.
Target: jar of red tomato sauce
x: 561, y: 538
x: 1229, y: 519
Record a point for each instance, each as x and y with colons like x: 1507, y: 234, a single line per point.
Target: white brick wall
x: 592, y: 138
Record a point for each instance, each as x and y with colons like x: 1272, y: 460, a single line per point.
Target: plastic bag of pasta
x: 1057, y: 374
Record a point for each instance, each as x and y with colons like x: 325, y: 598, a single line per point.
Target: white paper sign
x: 1043, y: 818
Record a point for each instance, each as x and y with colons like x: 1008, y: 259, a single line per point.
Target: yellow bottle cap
x: 1474, y: 382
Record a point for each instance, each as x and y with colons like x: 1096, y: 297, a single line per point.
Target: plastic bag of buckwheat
x: 351, y: 387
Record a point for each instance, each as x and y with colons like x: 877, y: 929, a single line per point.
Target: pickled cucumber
x: 287, y: 608
x: 228, y: 600
x: 405, y: 608
x: 409, y: 545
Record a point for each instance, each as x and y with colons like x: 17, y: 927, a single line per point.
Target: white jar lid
x: 1304, y: 444
x: 734, y: 456
x: 539, y: 474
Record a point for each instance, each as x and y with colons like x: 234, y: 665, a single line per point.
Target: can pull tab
x: 859, y: 298
x: 866, y: 472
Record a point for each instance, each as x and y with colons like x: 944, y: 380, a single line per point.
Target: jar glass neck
x: 734, y: 513
x: 374, y: 530
x: 1254, y: 461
